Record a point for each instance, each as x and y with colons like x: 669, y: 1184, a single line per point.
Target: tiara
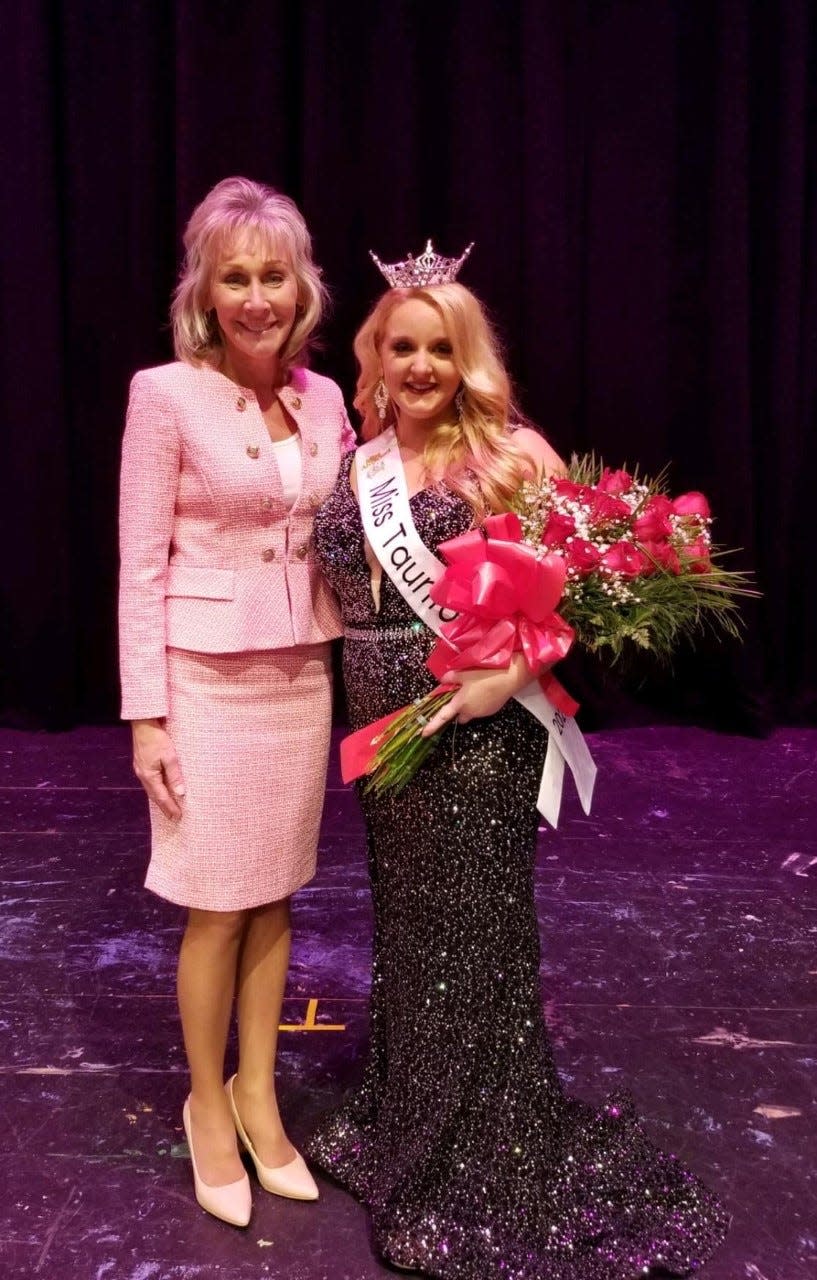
x: 429, y: 268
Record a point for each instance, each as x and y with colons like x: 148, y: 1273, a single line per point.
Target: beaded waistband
x: 374, y: 634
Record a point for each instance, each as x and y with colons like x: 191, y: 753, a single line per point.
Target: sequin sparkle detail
x: 473, y: 1162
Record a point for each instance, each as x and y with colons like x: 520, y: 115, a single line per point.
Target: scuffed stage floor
x: 679, y: 928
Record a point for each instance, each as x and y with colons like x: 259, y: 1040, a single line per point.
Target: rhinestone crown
x: 429, y: 268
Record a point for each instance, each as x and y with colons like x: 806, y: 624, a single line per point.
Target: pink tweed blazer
x: 212, y: 559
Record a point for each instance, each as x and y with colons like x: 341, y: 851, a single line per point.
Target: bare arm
x: 546, y: 461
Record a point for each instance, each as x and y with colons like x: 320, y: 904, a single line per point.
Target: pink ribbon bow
x: 505, y: 595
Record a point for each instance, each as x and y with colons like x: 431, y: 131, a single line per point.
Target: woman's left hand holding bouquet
x: 481, y: 692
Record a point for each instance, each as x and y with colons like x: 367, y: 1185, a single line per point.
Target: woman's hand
x: 156, y: 765
x: 481, y: 693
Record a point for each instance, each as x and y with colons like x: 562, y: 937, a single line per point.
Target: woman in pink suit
x: 225, y: 623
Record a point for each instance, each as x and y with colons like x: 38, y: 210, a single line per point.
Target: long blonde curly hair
x: 474, y: 454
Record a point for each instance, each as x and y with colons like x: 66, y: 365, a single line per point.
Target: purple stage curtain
x: 639, y: 178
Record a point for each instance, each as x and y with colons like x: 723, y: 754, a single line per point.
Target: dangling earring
x: 459, y: 401
x: 381, y: 400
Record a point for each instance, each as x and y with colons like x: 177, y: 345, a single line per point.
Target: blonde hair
x: 239, y: 211
x: 474, y: 454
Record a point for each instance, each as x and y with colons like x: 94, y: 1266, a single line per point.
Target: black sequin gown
x: 473, y: 1162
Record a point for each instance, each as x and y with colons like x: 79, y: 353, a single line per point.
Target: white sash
x: 392, y: 534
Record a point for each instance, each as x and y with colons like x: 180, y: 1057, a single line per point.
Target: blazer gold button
x: 253, y: 450
x: 295, y: 402
x: 241, y: 404
x: 313, y: 450
x: 302, y: 550
x: 266, y: 503
x: 268, y: 553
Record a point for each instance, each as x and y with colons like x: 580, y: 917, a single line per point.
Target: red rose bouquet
x: 641, y: 568
x: 603, y: 557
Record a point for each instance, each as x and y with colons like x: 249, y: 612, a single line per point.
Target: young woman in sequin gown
x: 473, y: 1162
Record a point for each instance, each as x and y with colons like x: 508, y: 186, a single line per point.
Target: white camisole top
x: 290, y: 465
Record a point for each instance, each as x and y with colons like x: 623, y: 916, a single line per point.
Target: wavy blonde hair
x: 239, y: 212
x: 474, y: 454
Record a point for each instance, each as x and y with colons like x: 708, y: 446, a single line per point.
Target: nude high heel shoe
x: 292, y: 1180
x: 231, y: 1203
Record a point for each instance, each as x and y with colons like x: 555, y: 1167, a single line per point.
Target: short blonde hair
x: 238, y: 211
x: 475, y: 454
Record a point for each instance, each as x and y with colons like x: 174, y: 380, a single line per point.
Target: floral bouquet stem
x: 401, y: 748
x: 390, y: 751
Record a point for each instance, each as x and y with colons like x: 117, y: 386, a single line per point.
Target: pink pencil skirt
x: 251, y: 731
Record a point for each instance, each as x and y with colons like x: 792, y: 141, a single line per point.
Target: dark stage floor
x: 680, y: 956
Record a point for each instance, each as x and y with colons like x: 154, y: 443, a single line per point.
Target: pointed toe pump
x: 292, y: 1180
x: 232, y: 1202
